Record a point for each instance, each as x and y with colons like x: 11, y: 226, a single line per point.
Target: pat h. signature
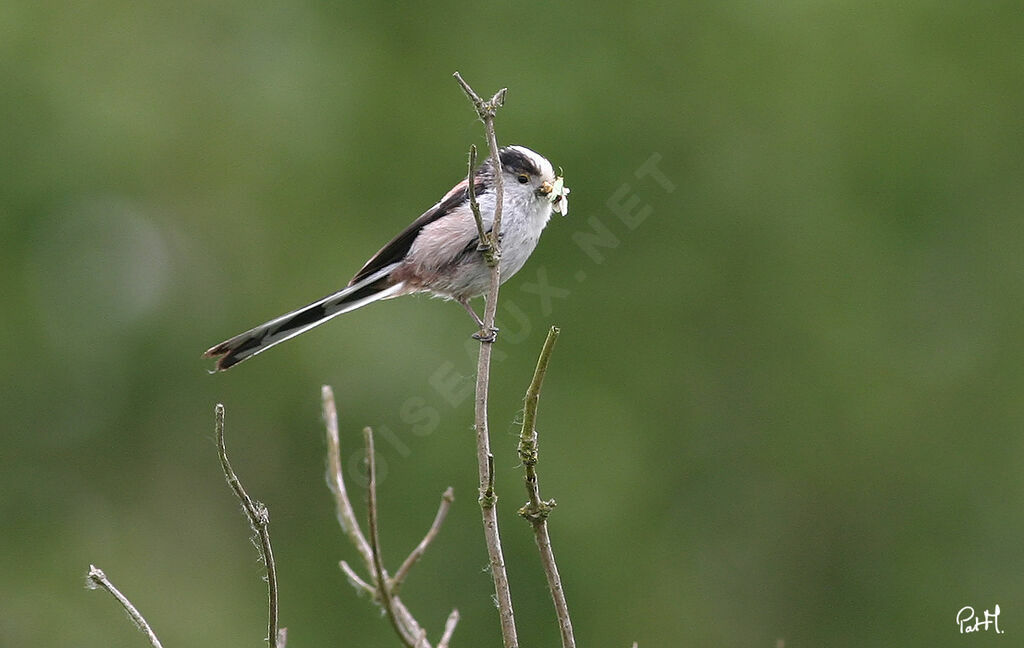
x: 968, y: 621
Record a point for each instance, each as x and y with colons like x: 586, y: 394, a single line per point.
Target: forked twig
x: 384, y: 590
x: 488, y: 500
x: 486, y: 110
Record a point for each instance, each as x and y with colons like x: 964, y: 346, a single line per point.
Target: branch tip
x: 449, y: 628
x: 442, y: 512
x: 259, y: 520
x: 409, y: 636
x: 96, y: 579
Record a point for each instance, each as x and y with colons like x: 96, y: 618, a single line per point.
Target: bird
x: 438, y: 253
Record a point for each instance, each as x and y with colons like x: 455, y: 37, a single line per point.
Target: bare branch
x: 380, y: 575
x: 336, y: 482
x: 536, y: 510
x: 407, y: 620
x: 97, y: 578
x: 449, y: 628
x: 259, y: 520
x: 384, y: 592
x: 485, y: 244
x: 488, y: 504
x: 528, y: 433
x: 442, y: 512
x: 356, y: 581
x: 484, y: 109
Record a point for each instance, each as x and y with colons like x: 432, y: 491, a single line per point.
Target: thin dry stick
x: 355, y: 580
x: 378, y: 560
x: 97, y: 578
x: 488, y: 500
x: 537, y: 510
x: 449, y: 628
x: 335, y: 481
x: 484, y: 242
x: 442, y: 512
x: 259, y: 520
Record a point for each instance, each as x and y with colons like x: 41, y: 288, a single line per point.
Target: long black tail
x: 257, y: 340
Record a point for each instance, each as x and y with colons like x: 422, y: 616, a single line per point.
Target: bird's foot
x: 486, y: 335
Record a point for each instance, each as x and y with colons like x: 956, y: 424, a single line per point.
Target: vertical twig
x: 484, y: 245
x: 536, y: 510
x: 488, y: 505
x: 97, y: 578
x: 259, y: 520
x: 378, y: 561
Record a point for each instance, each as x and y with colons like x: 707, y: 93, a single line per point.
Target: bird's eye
x: 523, y: 178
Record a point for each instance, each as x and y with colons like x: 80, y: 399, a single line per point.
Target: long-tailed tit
x: 437, y: 253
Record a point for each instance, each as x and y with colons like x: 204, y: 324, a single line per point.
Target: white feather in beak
x: 559, y: 196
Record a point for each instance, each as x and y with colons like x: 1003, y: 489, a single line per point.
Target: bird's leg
x: 485, y: 334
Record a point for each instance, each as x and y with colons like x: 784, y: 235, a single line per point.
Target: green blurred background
x: 788, y: 397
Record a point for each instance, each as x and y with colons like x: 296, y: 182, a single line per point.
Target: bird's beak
x: 545, y: 188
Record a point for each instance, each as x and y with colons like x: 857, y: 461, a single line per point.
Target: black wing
x: 399, y: 246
